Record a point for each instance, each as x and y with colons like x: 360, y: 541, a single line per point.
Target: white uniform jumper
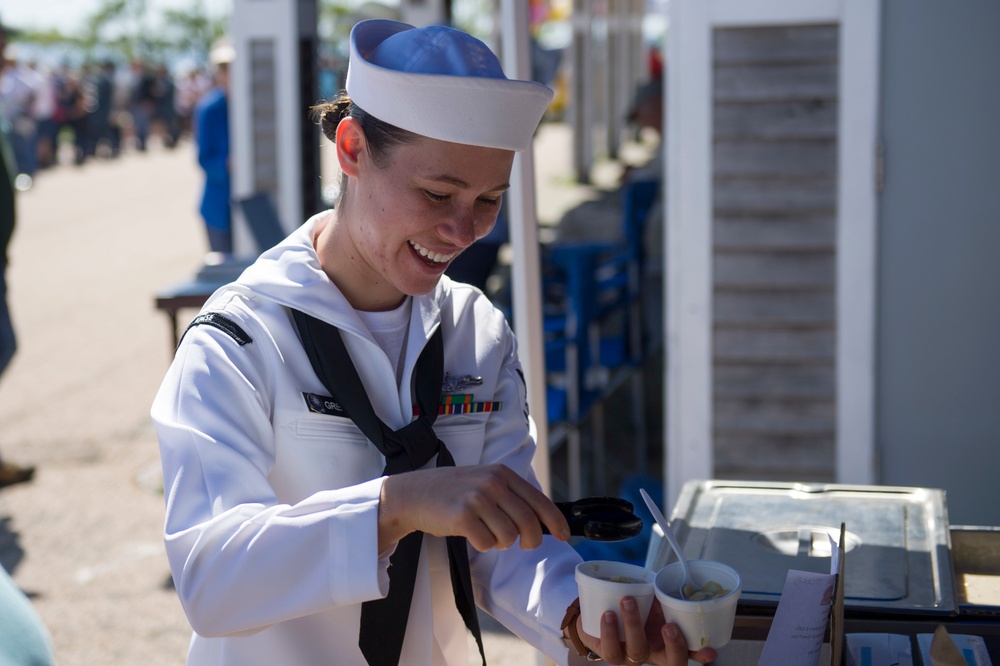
x: 271, y: 522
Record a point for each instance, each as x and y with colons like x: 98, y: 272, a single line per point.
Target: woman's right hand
x: 490, y: 505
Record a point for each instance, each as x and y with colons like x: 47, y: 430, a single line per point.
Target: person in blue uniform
x: 211, y: 130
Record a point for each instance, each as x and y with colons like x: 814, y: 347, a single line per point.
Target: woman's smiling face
x: 402, y: 222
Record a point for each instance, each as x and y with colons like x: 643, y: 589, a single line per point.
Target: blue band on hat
x: 437, y: 49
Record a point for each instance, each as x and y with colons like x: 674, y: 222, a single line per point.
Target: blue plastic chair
x: 579, y: 300
x: 593, y: 327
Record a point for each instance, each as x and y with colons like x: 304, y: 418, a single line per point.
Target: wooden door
x: 770, y: 242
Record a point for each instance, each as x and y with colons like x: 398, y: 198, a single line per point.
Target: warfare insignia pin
x: 453, y: 385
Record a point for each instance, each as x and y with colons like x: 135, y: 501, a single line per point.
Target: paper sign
x: 802, y: 617
x: 800, y: 622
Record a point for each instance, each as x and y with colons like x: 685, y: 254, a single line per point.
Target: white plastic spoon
x: 662, y: 522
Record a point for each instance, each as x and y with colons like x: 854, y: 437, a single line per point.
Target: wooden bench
x: 193, y: 292
x: 265, y: 227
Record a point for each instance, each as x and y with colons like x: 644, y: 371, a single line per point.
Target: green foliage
x: 336, y: 18
x: 193, y: 29
x: 129, y: 29
x: 46, y: 38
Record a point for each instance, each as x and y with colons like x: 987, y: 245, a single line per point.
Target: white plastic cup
x: 603, y: 583
x: 707, y: 623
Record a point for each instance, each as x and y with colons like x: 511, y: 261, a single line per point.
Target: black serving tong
x: 601, y: 518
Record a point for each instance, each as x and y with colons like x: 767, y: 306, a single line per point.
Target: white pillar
x: 687, y: 248
x: 267, y: 113
x: 526, y: 273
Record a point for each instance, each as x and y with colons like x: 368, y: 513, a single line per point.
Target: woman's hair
x: 381, y: 137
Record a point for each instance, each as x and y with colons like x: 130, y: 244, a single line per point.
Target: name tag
x: 321, y: 404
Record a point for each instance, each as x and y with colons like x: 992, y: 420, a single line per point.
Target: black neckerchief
x: 383, y: 621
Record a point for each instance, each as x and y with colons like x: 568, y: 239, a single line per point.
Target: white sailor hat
x: 441, y: 83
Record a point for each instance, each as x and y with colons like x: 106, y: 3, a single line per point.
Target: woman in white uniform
x: 292, y: 482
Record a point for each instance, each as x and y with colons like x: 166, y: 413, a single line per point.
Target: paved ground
x: 94, y: 244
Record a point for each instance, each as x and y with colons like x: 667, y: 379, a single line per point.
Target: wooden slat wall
x: 774, y: 261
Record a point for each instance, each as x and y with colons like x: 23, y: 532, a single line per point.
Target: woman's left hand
x: 656, y: 643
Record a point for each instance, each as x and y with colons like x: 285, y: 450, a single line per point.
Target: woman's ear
x: 350, y: 145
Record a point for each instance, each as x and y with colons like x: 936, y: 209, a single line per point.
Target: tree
x: 130, y: 30
x: 193, y: 30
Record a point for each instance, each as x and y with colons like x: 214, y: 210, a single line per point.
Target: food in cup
x: 603, y: 583
x: 706, y: 622
x: 710, y: 590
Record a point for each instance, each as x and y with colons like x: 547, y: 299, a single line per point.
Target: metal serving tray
x: 897, y: 539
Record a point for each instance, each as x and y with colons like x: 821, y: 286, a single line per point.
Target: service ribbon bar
x: 465, y: 408
x: 470, y: 408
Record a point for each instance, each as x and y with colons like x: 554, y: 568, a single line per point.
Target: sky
x: 68, y: 15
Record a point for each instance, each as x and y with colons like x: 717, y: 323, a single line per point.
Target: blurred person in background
x: 211, y: 132
x: 45, y: 114
x: 24, y: 640
x: 101, y: 136
x: 61, y: 86
x: 83, y: 139
x: 9, y: 472
x: 142, y: 103
x: 165, y: 114
x: 71, y: 110
x: 18, y: 85
x: 121, y: 117
x: 190, y: 88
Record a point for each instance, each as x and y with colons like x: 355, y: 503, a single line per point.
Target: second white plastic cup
x: 603, y: 583
x: 707, y: 623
